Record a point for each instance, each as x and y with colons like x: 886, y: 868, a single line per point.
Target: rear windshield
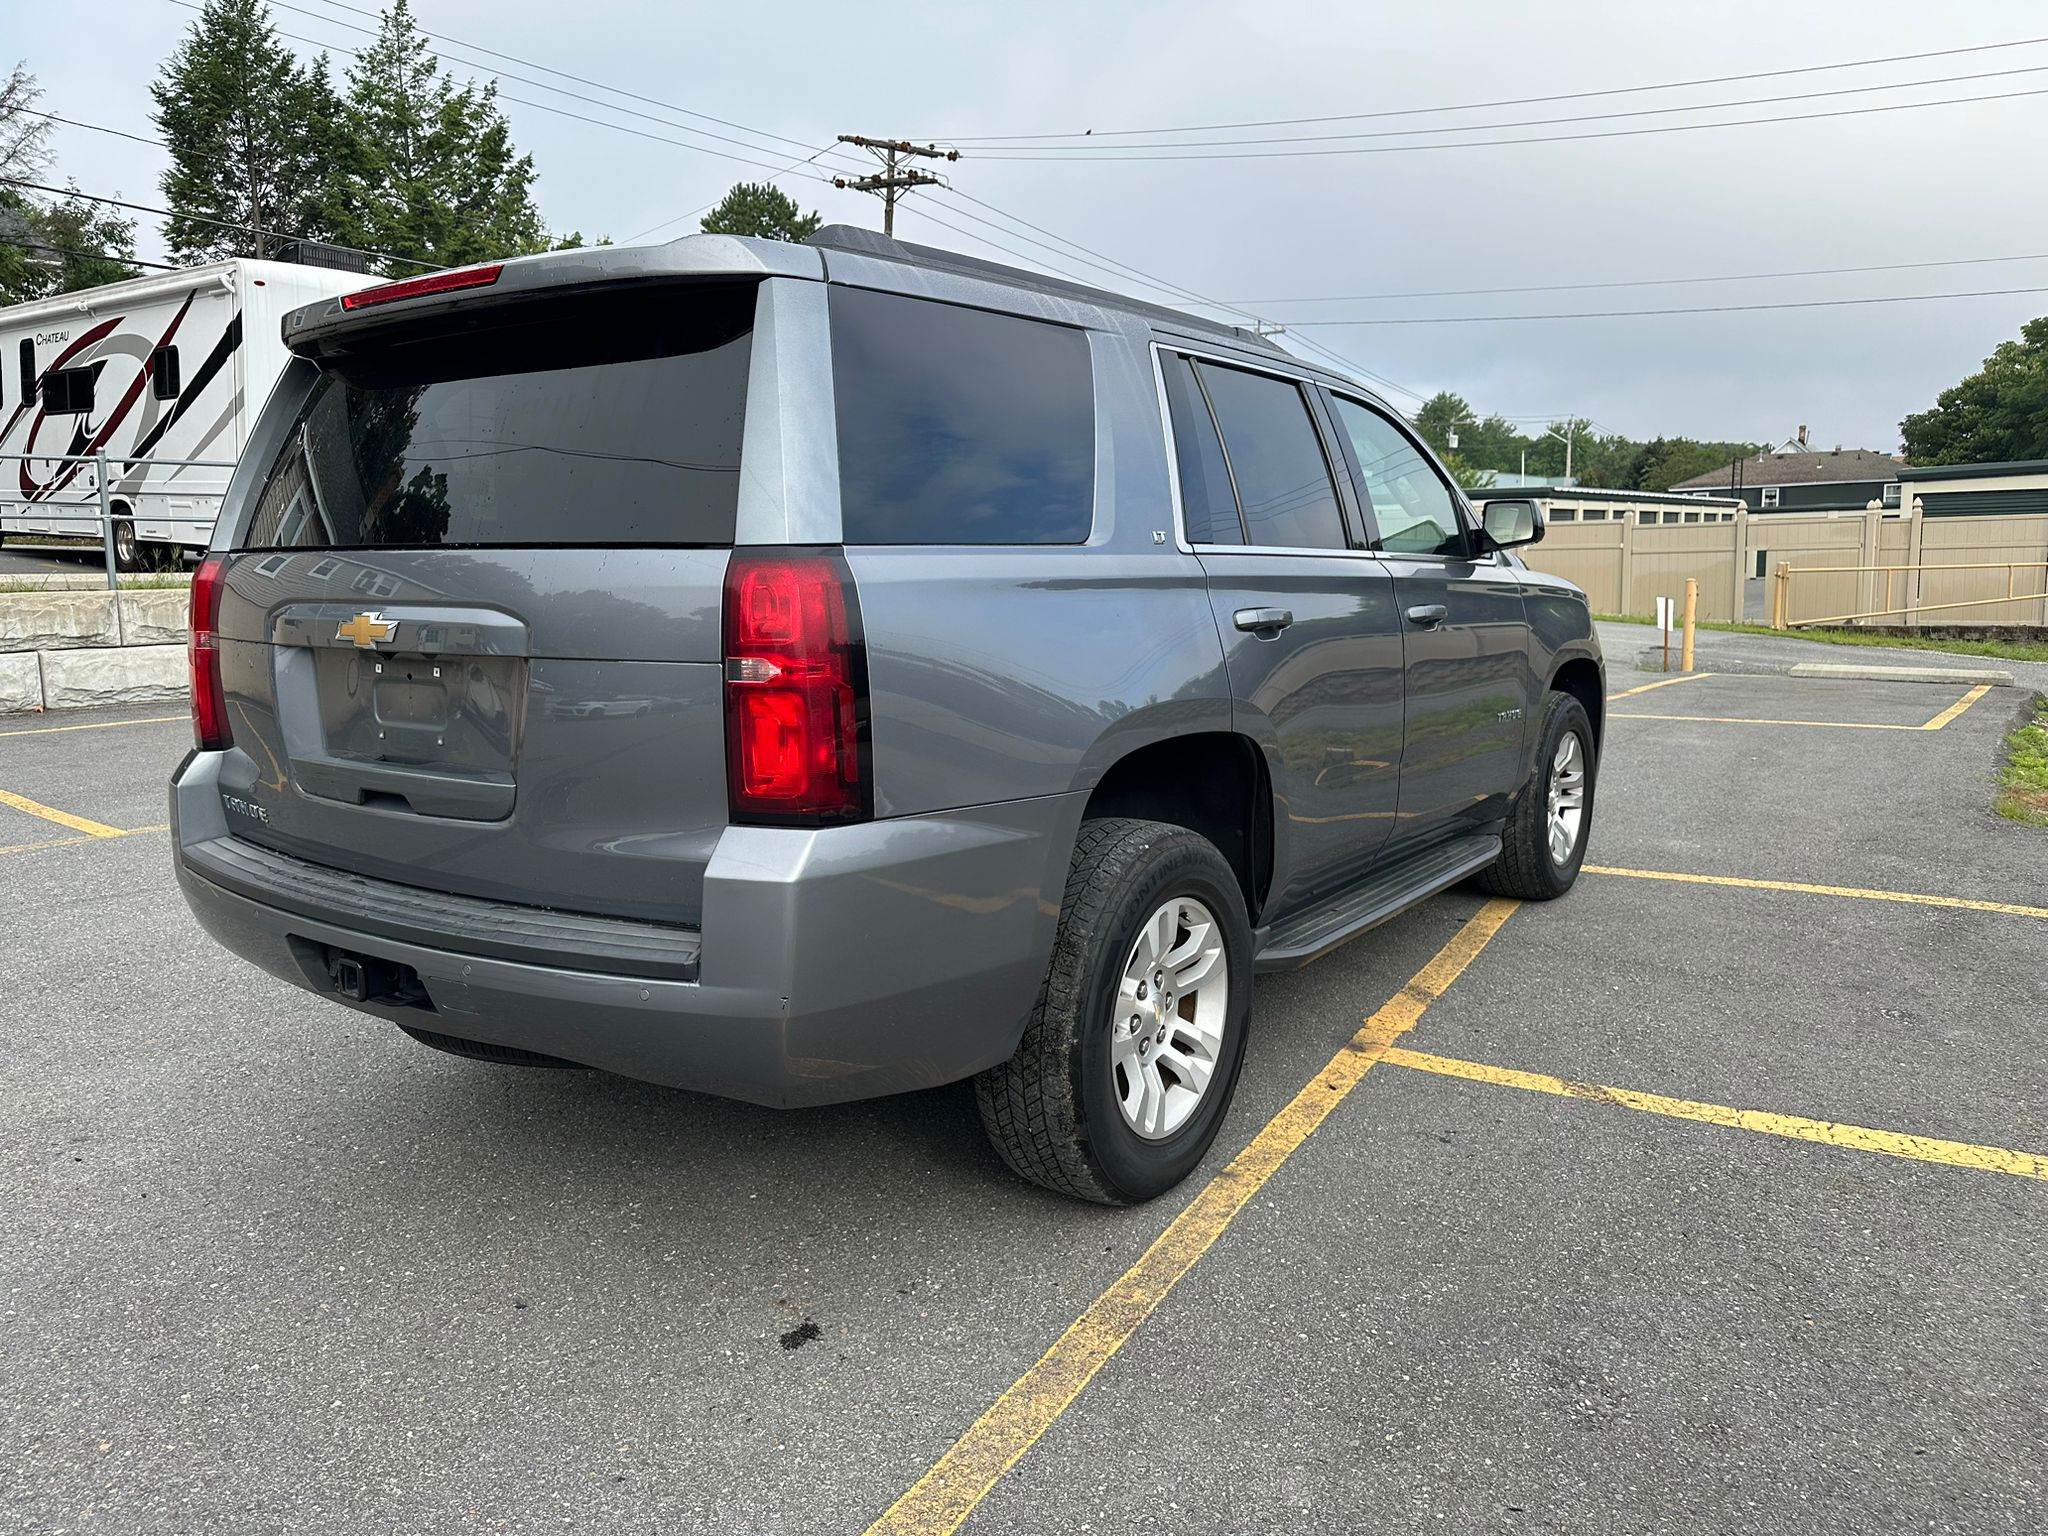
x: 959, y: 426
x: 609, y: 418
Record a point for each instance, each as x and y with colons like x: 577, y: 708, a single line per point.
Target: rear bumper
x: 833, y: 964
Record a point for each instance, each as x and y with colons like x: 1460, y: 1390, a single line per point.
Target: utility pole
x: 896, y: 177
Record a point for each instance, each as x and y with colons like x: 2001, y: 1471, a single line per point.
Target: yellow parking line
x: 73, y: 842
x: 62, y: 818
x: 1860, y: 1138
x: 1683, y: 677
x: 1935, y: 724
x: 946, y: 1495
x: 1855, y: 893
x: 96, y: 725
x: 1957, y: 708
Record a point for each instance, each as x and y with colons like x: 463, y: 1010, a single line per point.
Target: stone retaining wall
x: 65, y: 650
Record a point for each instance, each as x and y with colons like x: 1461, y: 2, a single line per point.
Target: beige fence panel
x: 1627, y: 554
x: 1587, y: 553
x: 1889, y: 569
x: 1983, y: 540
x: 1665, y: 557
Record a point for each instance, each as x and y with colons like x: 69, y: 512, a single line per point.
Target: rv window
x: 68, y: 391
x: 163, y: 373
x: 28, y: 371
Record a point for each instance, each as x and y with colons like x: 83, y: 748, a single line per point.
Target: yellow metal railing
x: 1781, y: 597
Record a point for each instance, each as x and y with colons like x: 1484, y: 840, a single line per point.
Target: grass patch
x: 2001, y: 650
x: 2023, y: 781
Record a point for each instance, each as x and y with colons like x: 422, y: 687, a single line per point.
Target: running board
x: 1383, y: 894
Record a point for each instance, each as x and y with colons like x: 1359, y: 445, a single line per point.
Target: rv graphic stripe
x: 115, y: 417
x: 217, y: 359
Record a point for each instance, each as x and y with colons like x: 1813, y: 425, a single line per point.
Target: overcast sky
x: 1938, y: 184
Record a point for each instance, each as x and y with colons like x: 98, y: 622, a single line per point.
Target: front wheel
x: 1130, y: 1057
x: 1544, y: 842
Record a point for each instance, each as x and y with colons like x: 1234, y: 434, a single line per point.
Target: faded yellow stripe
x: 1683, y: 677
x: 73, y: 842
x: 1852, y: 892
x: 1831, y: 1133
x: 62, y: 818
x: 1957, y: 708
x: 96, y: 725
x: 946, y: 1495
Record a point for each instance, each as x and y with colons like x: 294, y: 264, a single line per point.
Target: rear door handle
x: 1262, y: 620
x: 1430, y: 614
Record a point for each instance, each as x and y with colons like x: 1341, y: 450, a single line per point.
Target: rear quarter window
x: 959, y: 426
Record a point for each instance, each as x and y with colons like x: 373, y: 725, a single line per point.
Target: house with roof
x: 1796, y: 477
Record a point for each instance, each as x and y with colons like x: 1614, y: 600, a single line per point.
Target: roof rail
x: 857, y: 241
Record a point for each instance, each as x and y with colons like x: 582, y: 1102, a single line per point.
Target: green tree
x: 433, y: 175
x: 1466, y: 473
x: 760, y: 208
x: 251, y: 135
x: 1441, y: 414
x: 49, y: 247
x: 1998, y: 413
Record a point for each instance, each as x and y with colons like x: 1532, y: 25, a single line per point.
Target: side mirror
x: 1509, y: 523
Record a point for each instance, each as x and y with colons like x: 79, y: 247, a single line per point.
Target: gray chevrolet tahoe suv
x: 807, y: 672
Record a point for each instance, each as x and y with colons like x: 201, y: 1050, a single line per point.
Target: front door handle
x: 1430, y: 614
x: 1262, y: 620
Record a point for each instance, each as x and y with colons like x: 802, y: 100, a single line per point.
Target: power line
x: 1704, y: 309
x: 72, y: 122
x: 1553, y: 138
x: 759, y: 133
x: 200, y: 218
x: 707, y: 207
x: 1518, y: 101
x: 106, y: 256
x: 1109, y: 263
x: 538, y: 106
x: 1648, y: 282
x: 1082, y: 151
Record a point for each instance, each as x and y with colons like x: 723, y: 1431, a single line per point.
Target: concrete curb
x: 1652, y: 660
x: 1902, y: 674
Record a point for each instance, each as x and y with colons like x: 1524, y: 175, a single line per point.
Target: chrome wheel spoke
x: 1565, y: 798
x: 1166, y: 1035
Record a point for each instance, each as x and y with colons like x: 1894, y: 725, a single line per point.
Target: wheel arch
x: 1581, y: 677
x: 1212, y: 782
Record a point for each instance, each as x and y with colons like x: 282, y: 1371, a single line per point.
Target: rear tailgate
x: 470, y: 635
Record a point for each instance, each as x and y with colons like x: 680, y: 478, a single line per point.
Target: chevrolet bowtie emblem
x: 365, y: 630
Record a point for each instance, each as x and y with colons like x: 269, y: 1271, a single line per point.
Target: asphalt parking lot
x: 1709, y: 1198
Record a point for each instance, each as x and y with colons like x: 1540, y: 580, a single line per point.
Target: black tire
x: 128, y: 549
x: 1526, y: 869
x: 483, y: 1050
x: 1052, y: 1108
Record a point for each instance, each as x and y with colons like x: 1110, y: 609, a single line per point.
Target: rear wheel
x: 127, y: 547
x: 1545, y: 840
x: 483, y: 1050
x: 1130, y: 1058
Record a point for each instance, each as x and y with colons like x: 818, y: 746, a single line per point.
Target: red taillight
x: 209, y: 698
x: 419, y: 287
x: 794, y: 679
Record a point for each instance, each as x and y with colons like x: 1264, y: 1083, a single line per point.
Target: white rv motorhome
x: 162, y: 368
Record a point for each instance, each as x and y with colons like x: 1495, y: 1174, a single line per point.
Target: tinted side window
x: 1411, y: 505
x: 163, y: 372
x: 68, y: 391
x: 28, y: 371
x: 1276, y: 458
x: 957, y: 426
x: 1208, y: 504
